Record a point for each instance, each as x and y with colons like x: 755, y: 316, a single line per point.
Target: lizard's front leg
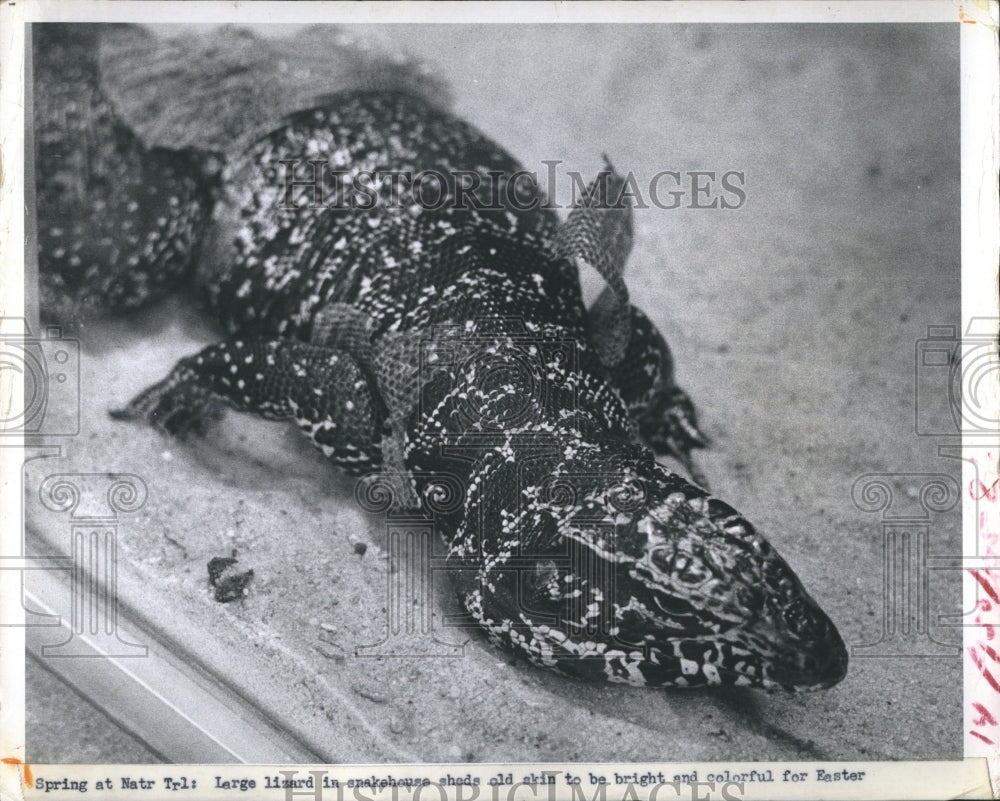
x: 324, y: 390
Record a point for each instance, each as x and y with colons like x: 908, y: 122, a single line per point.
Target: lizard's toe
x: 172, y: 411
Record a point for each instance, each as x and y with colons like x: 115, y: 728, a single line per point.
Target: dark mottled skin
x: 118, y: 222
x: 454, y: 342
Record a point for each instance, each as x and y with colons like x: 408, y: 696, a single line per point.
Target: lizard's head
x: 672, y: 587
x: 613, y: 567
x: 726, y: 608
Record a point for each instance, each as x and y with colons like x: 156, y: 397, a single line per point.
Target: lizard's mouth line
x: 821, y: 666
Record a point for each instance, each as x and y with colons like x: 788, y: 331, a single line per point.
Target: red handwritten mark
x: 984, y: 670
x: 984, y: 605
x: 990, y: 652
x: 983, y: 654
x: 985, y: 716
x: 984, y: 618
x: 988, y: 493
x: 26, y: 769
x: 987, y: 585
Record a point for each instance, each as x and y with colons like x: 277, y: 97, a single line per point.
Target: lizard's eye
x: 680, y: 566
x: 689, y: 570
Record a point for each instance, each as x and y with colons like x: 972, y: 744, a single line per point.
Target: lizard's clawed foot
x: 670, y: 428
x: 175, y: 409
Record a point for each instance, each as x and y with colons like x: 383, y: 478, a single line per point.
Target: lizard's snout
x: 816, y: 656
x: 793, y: 644
x: 729, y: 609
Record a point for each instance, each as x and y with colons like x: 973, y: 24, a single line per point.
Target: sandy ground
x: 793, y: 319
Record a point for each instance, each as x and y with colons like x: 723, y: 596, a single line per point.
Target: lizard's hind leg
x: 323, y: 390
x: 663, y: 413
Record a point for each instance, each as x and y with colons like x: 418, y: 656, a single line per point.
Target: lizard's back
x: 383, y: 202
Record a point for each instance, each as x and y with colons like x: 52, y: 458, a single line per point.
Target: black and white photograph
x: 475, y: 400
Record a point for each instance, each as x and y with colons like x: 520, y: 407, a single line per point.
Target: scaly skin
x: 118, y: 223
x: 454, y: 342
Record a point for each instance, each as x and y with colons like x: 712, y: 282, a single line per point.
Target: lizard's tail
x: 223, y: 88
x: 118, y: 221
x: 133, y: 131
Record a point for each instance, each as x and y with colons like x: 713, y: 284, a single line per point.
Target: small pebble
x: 229, y: 583
x: 455, y: 752
x: 360, y: 548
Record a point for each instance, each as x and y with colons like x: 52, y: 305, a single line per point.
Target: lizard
x: 444, y: 344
